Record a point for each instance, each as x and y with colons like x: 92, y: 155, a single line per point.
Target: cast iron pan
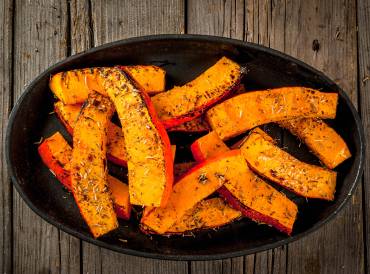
x: 183, y: 57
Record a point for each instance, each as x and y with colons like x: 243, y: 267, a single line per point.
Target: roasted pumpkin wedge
x: 275, y: 164
x: 149, y: 156
x: 73, y: 87
x: 198, y: 125
x: 88, y: 165
x: 70, y: 87
x: 182, y: 104
x: 210, y: 213
x: 179, y: 169
x: 198, y: 183
x: 116, y: 152
x: 150, y: 79
x: 67, y: 114
x: 239, y: 143
x: 249, y: 194
x: 261, y: 203
x: 320, y: 138
x: 248, y: 110
x: 208, y: 146
x: 56, y: 153
x: 121, y: 197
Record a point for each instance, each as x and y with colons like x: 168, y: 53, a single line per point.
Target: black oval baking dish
x: 183, y: 57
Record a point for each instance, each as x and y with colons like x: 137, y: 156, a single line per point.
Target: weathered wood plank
x: 112, y: 263
x: 117, y: 19
x: 363, y: 21
x: 338, y: 246
x: 220, y: 18
x: 249, y: 264
x: 80, y: 40
x: 256, y: 30
x: 263, y: 262
x: 226, y: 266
x: 271, y: 261
x: 113, y: 21
x: 208, y: 267
x: 265, y: 25
x: 81, y: 32
x: 6, y: 24
x: 258, y: 21
x: 40, y: 40
x: 69, y: 253
x: 225, y: 18
x: 276, y: 39
x: 91, y: 259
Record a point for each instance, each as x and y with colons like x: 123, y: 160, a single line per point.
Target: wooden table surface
x: 35, y: 34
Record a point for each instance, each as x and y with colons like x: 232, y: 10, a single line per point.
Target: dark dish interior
x: 183, y: 59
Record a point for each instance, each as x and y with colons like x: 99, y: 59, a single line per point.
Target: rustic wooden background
x: 35, y: 34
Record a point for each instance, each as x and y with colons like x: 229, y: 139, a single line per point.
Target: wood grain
x: 283, y: 25
x: 338, y: 246
x: 70, y: 257
x: 258, y: 21
x: 91, y: 259
x: 40, y: 40
x: 116, y: 263
x: 226, y: 18
x: 220, y: 18
x: 265, y: 25
x: 110, y: 22
x: 114, y: 20
x: 6, y: 24
x: 253, y: 22
x: 47, y: 31
x: 78, y: 40
x: 80, y: 26
x: 363, y: 19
